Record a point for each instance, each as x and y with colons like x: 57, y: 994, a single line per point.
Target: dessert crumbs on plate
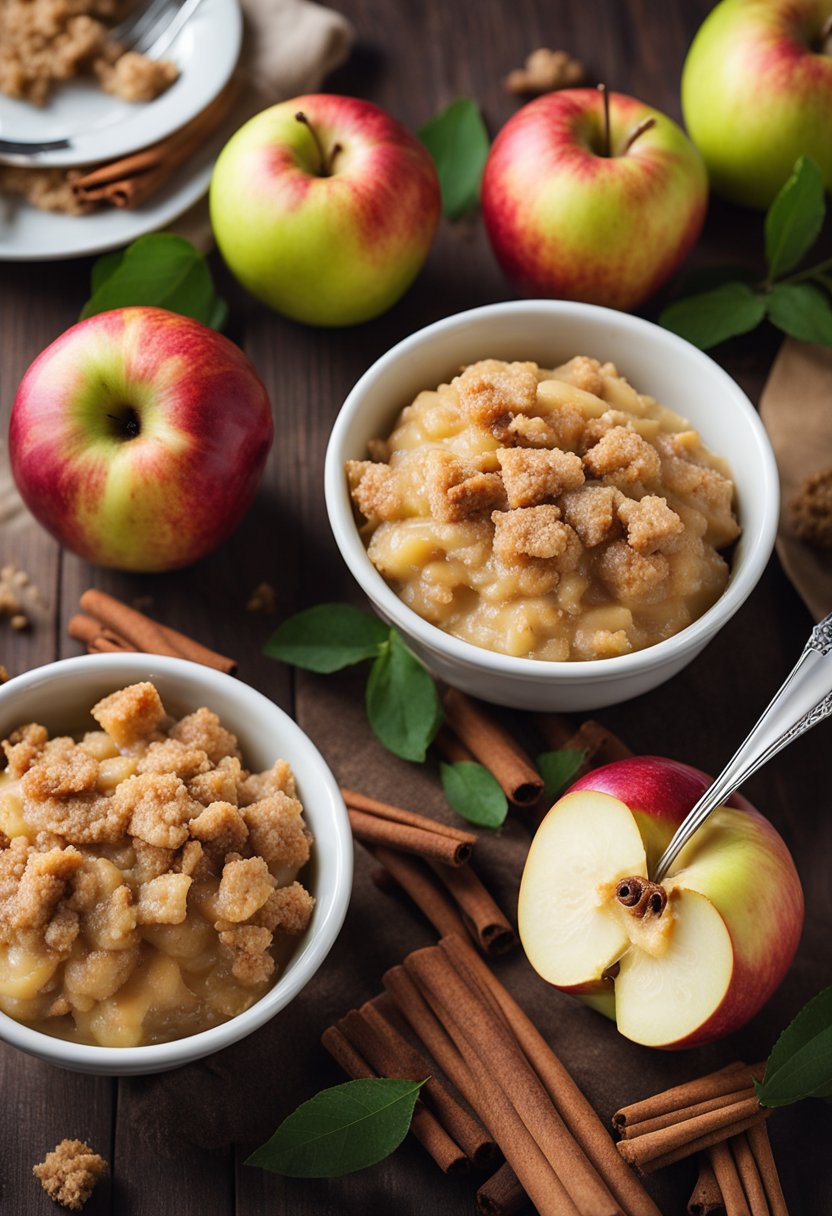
x: 810, y: 510
x: 69, y: 1173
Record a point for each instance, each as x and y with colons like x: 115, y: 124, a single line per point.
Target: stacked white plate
x: 103, y: 128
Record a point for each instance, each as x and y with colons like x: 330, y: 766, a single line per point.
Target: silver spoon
x: 803, y: 700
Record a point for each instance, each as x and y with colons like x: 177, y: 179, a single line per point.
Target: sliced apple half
x: 686, y: 960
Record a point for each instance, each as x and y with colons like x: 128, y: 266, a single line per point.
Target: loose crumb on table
x: 811, y: 510
x: 69, y: 1173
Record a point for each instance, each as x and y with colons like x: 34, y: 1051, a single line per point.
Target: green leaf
x: 162, y: 270
x: 711, y: 317
x: 458, y: 142
x: 341, y: 1130
x: 800, y: 1064
x: 558, y: 768
x: 474, y: 793
x: 327, y: 638
x: 104, y: 267
x: 802, y: 310
x: 402, y: 703
x: 795, y: 218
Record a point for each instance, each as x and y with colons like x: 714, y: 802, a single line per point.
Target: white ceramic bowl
x: 550, y: 332
x: 61, y: 695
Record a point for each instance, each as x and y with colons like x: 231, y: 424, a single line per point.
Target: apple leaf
x: 795, y: 218
x: 162, y: 270
x: 802, y: 310
x: 713, y: 316
x: 327, y: 638
x: 800, y: 1064
x: 341, y: 1130
x: 558, y: 768
x: 402, y: 703
x: 458, y: 142
x: 474, y: 793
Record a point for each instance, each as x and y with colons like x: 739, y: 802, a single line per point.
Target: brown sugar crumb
x: 163, y: 900
x: 529, y: 532
x: 491, y: 391
x: 650, y: 523
x: 89, y: 818
x: 220, y: 784
x: 69, y: 1173
x: 191, y: 858
x: 151, y: 861
x: 158, y: 808
x: 278, y: 779
x: 590, y: 510
x: 23, y: 746
x: 584, y: 373
x: 32, y: 884
x: 534, y: 432
x: 597, y: 428
x: 455, y: 493
x: 222, y: 826
x: 544, y: 71
x: 203, y: 729
x: 171, y: 756
x: 131, y: 714
x: 252, y: 964
x: 262, y: 599
x: 531, y: 477
x: 810, y: 510
x: 374, y: 489
x: 134, y: 77
x: 631, y: 575
x: 277, y: 830
x: 61, y: 768
x: 245, y: 886
x: 624, y: 458
x: 287, y: 910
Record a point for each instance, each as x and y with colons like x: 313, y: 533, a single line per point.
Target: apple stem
x: 336, y: 148
x: 640, y: 896
x: 645, y: 125
x: 602, y: 89
x: 324, y: 163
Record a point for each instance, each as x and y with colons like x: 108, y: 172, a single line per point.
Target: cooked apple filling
x: 547, y: 514
x: 148, y: 882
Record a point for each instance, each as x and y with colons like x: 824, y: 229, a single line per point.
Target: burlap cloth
x: 796, y: 407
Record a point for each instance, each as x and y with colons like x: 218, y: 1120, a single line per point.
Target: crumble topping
x: 69, y: 1173
x: 811, y: 510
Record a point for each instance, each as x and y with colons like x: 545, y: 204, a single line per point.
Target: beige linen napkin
x: 796, y: 407
x: 289, y: 47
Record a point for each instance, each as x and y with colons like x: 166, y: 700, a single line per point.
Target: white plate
x: 102, y: 127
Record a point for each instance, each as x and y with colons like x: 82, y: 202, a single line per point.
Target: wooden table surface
x: 411, y: 58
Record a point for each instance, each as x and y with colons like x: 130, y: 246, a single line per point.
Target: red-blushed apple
x: 582, y: 211
x: 757, y: 94
x: 325, y: 207
x: 138, y: 438
x: 687, y: 960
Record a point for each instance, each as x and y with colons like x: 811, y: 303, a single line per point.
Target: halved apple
x: 678, y: 963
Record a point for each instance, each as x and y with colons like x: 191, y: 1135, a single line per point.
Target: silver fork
x: 149, y: 31
x: 803, y: 700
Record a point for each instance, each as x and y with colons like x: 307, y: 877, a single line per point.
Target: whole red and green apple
x: 324, y: 207
x: 582, y: 210
x: 679, y: 963
x: 138, y: 438
x: 757, y: 94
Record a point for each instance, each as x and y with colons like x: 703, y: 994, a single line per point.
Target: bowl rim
x: 305, y: 758
x: 744, y: 575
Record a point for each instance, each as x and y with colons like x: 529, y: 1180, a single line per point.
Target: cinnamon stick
x: 714, y: 1085
x: 502, y: 1194
x: 490, y: 1049
x: 381, y: 823
x: 488, y: 923
x: 672, y: 1118
x: 424, y: 1126
x: 760, y: 1146
x: 599, y: 743
x: 147, y: 635
x: 752, y: 1183
x: 730, y: 1184
x: 423, y: 889
x: 493, y: 747
x: 574, y: 1107
x: 130, y: 180
x: 706, y: 1197
x: 695, y: 1146
x: 85, y: 629
x: 451, y: 749
x: 641, y: 1150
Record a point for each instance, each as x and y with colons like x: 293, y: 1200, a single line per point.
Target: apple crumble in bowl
x: 543, y: 532
x: 158, y: 898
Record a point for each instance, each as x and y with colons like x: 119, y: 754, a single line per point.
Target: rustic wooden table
x: 410, y: 58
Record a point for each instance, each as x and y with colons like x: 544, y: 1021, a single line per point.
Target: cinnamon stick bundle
x: 381, y: 823
x: 730, y: 1184
x: 725, y: 1080
x: 760, y: 1146
x: 126, y: 629
x: 749, y: 1175
x: 677, y: 1139
x: 494, y: 747
x: 424, y: 1126
x: 672, y: 1118
x: 706, y: 1197
x: 502, y: 1194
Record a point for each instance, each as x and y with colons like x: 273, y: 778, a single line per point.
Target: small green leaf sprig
x: 800, y: 1064
x: 458, y: 143
x: 798, y: 302
x: 162, y: 270
x: 401, y: 702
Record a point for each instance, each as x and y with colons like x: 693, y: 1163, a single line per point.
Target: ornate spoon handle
x: 803, y: 700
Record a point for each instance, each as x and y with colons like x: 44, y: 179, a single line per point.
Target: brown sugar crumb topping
x: 491, y: 391
x: 530, y: 532
x: 590, y: 510
x: 131, y: 714
x: 204, y: 730
x: 69, y: 1173
x: 650, y: 522
x: 245, y: 886
x: 810, y: 510
x: 532, y: 477
x: 623, y: 458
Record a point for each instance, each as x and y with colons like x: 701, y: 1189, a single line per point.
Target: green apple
x: 324, y: 207
x: 757, y: 94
